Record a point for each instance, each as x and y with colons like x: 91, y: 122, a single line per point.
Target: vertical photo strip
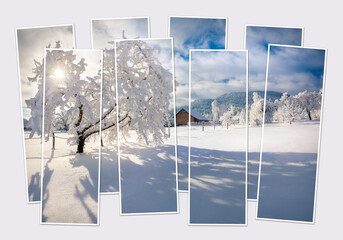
x: 146, y: 126
x: 257, y: 38
x: 291, y: 133
x: 31, y: 42
x: 218, y: 137
x: 71, y: 136
x: 190, y: 33
x: 104, y: 33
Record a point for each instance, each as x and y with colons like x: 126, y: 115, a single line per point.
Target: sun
x: 59, y: 73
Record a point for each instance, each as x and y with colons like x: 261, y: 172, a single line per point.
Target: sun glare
x: 58, y: 73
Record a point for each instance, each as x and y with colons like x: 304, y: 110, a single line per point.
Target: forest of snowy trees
x: 287, y: 109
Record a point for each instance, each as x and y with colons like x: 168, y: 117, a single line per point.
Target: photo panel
x: 104, y: 33
x: 291, y: 133
x: 190, y: 33
x: 71, y: 144
x: 257, y: 39
x: 146, y: 126
x: 218, y: 137
x: 30, y: 49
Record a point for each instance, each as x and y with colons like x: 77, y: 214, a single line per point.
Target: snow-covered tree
x: 288, y: 108
x: 35, y: 104
x: 241, y: 116
x: 256, y: 110
x: 61, y: 121
x: 67, y: 90
x: 269, y: 111
x: 228, y: 118
x: 109, y: 130
x: 145, y: 88
x: 215, y: 111
x: 310, y: 102
x: 77, y: 95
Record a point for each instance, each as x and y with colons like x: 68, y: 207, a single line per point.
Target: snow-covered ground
x: 254, y: 149
x: 70, y: 182
x: 182, y: 157
x: 218, y: 175
x: 33, y: 151
x: 288, y: 173
x: 148, y: 176
x: 109, y: 176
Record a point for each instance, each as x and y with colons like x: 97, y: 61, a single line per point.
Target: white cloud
x: 193, y: 33
x: 181, y: 69
x: 293, y: 83
x: 294, y: 69
x: 164, y: 54
x: 105, y: 30
x: 217, y: 72
x: 257, y: 39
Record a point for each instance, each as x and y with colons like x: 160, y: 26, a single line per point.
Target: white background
x: 323, y: 28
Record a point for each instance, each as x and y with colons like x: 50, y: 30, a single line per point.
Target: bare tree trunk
x: 168, y: 128
x: 227, y: 125
x: 203, y: 126
x: 102, y: 143
x: 81, y: 144
x: 309, y: 115
x: 53, y: 140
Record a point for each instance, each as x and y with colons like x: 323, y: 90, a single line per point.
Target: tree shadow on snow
x: 287, y: 186
x: 253, y: 169
x: 47, y: 174
x: 90, y: 184
x: 34, y: 187
x: 182, y: 166
x: 109, y: 179
x: 82, y: 196
x: 148, y: 181
x: 217, y: 194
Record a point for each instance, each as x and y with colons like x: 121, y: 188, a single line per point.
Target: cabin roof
x: 194, y: 113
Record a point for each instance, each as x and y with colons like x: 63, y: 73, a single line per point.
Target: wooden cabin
x: 182, y: 117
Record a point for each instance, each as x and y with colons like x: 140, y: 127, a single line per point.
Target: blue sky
x: 214, y: 73
x: 193, y: 33
x: 31, y: 44
x: 197, y: 33
x: 105, y: 30
x: 294, y: 70
x: 257, y: 40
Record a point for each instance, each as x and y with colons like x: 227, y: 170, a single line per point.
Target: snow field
x: 148, y: 176
x: 33, y: 150
x: 218, y: 175
x: 288, y: 172
x: 109, y: 177
x: 70, y: 182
